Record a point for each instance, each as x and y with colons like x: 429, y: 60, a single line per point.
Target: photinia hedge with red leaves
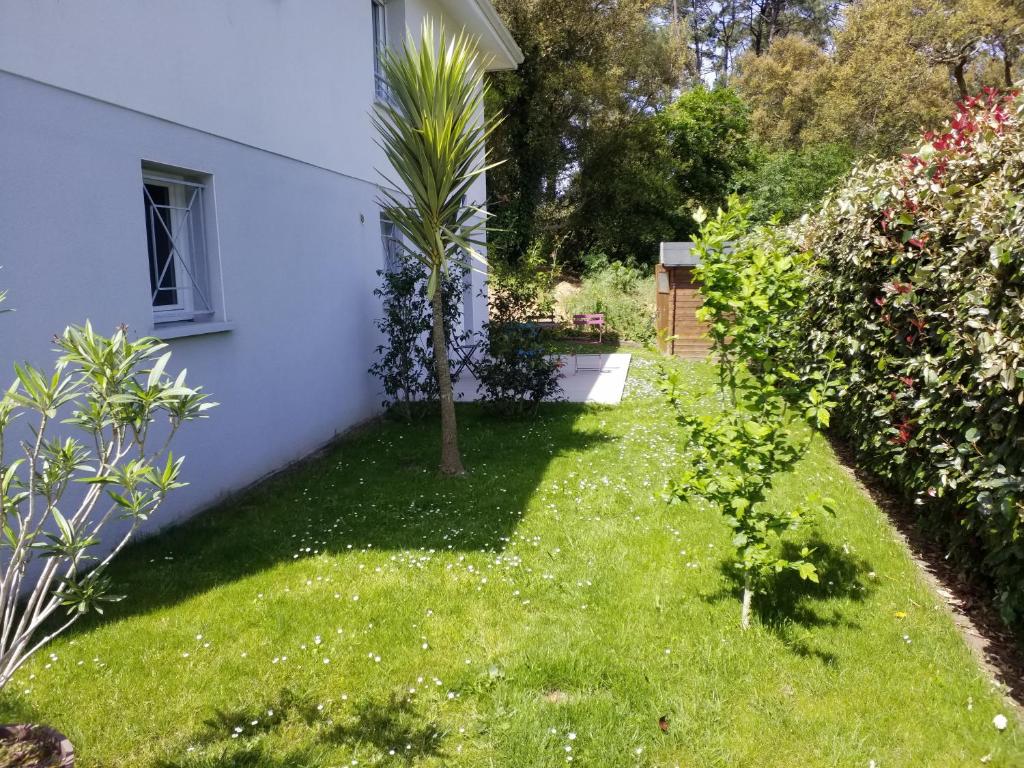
x: 918, y: 284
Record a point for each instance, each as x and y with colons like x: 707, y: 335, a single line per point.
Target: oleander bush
x: 84, y: 461
x: 918, y: 286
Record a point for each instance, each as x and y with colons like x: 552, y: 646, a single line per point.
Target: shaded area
x: 392, y: 727
x: 378, y: 489
x: 790, y: 607
x: 250, y: 757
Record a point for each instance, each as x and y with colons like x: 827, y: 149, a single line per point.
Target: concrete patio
x: 584, y: 379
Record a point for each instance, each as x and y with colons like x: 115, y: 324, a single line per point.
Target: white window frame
x: 191, y: 250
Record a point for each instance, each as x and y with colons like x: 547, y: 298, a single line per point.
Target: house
x: 205, y: 171
x: 680, y: 333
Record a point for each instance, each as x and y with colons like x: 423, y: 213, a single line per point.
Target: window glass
x: 159, y: 234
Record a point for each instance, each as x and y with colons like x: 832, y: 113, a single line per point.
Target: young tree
x: 433, y: 135
x: 753, y: 288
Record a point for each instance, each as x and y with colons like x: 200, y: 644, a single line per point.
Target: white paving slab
x: 584, y: 379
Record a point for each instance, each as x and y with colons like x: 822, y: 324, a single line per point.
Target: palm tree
x: 432, y: 131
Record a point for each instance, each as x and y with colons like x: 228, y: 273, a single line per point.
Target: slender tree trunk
x: 1007, y: 69
x: 748, y: 594
x: 451, y: 460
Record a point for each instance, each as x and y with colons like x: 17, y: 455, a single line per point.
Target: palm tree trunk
x: 451, y: 460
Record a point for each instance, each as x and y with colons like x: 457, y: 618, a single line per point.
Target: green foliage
x: 723, y: 33
x: 784, y: 87
x: 881, y: 89
x: 578, y: 133
x: 111, y: 391
x: 918, y: 285
x: 895, y: 66
x: 628, y: 202
x: 607, y: 155
x: 517, y: 372
x: 405, y: 365
x: 531, y: 282
x: 706, y: 131
x: 548, y: 589
x: 753, y: 290
x: 788, y: 183
x: 624, y: 294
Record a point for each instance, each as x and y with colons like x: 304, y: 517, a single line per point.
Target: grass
x: 360, y: 610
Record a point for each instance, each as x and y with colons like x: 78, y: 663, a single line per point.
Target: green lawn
x: 549, y: 608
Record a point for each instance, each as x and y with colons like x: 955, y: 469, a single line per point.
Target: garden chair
x: 466, y: 355
x: 595, y: 320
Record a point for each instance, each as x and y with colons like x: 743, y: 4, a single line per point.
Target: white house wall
x: 294, y: 77
x: 268, y: 97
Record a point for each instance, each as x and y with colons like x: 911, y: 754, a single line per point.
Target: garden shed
x: 680, y: 333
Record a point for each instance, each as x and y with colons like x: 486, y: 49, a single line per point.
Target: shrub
x: 516, y: 373
x: 406, y: 363
x: 624, y: 294
x: 111, y: 391
x: 919, y: 287
x: 531, y: 282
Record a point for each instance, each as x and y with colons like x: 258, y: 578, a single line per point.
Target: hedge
x: 918, y: 285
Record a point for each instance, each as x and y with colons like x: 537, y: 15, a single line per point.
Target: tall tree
x: 955, y: 33
x: 769, y: 20
x: 899, y: 66
x: 882, y: 89
x: 784, y: 88
x: 707, y: 134
x: 592, y: 69
x: 723, y: 30
x: 432, y: 135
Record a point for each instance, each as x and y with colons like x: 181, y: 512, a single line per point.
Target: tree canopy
x: 625, y: 116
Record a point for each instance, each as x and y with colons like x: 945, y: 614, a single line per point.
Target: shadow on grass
x: 255, y: 756
x: 789, y: 606
x: 392, y: 729
x: 377, y: 490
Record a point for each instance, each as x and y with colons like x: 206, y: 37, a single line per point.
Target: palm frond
x: 433, y: 132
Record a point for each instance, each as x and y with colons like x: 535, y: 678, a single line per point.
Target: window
x: 380, y: 44
x: 177, y: 246
x: 663, y: 281
x: 391, y: 240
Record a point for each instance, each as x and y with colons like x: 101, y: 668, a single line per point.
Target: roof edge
x: 515, y: 53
